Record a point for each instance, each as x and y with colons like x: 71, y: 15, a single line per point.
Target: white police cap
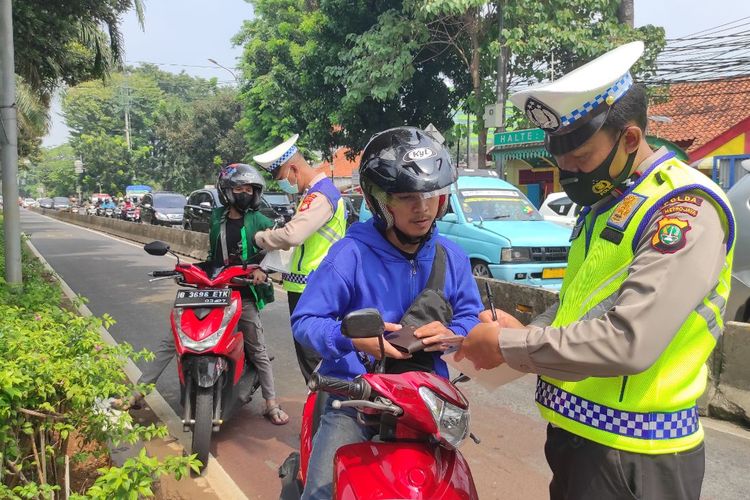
x: 274, y: 158
x: 572, y: 109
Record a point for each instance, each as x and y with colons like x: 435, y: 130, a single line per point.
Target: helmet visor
x: 413, y: 197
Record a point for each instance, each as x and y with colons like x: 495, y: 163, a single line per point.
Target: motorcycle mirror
x: 363, y: 324
x: 156, y: 248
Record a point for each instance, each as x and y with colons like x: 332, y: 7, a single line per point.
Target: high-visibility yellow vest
x: 307, y: 257
x: 654, y: 411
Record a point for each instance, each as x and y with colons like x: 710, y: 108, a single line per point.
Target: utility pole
x: 9, y: 147
x: 502, y: 65
x: 626, y: 13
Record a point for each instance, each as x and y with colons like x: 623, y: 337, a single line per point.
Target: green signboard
x: 519, y: 137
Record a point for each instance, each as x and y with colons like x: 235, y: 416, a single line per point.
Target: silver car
x: 738, y: 308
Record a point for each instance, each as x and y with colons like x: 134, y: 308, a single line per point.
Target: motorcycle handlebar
x: 159, y: 274
x: 355, y: 389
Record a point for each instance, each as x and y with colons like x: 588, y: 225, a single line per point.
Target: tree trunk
x: 476, y: 80
x: 626, y: 13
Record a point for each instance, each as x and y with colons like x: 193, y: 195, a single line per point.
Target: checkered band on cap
x: 616, y: 91
x: 300, y: 279
x: 283, y: 158
x: 624, y: 423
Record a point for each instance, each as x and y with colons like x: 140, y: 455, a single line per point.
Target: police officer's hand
x: 372, y: 345
x: 504, y: 320
x: 258, y: 276
x: 482, y: 347
x: 436, y: 336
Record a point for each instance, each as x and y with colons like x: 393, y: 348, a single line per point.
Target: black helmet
x: 404, y: 160
x: 239, y: 174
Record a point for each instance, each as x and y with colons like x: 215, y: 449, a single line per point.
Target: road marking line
x: 222, y: 484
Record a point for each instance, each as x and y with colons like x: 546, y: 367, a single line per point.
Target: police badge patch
x: 625, y: 210
x: 540, y: 114
x: 670, y: 235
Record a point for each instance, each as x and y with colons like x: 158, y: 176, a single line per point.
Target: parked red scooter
x: 422, y: 419
x: 210, y: 349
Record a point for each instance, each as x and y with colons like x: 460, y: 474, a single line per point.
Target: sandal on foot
x: 276, y: 415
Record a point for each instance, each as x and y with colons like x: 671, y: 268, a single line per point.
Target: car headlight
x: 210, y: 341
x: 452, y: 421
x: 515, y: 254
x: 161, y: 216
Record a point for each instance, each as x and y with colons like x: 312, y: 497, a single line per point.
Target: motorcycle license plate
x: 206, y: 297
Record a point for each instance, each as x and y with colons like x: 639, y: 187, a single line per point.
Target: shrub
x: 57, y: 376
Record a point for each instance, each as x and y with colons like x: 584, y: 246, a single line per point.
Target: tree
x: 195, y: 141
x: 466, y: 32
x: 62, y: 43
x: 295, y: 82
x: 53, y: 175
x: 180, y: 129
x: 411, y: 61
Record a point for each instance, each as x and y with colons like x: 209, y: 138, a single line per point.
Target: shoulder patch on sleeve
x: 679, y: 209
x: 670, y: 235
x: 685, y: 198
x: 307, y: 201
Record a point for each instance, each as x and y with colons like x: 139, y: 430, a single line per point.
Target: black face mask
x: 585, y: 189
x: 243, y: 201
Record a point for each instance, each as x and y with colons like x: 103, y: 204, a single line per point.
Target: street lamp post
x: 213, y: 61
x: 78, y: 164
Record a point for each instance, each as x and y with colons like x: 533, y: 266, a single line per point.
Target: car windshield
x: 497, y: 204
x: 276, y: 199
x: 61, y: 200
x: 169, y: 201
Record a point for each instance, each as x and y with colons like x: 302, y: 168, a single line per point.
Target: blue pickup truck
x: 502, y: 233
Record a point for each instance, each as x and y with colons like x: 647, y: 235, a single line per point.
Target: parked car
x: 738, y: 306
x: 162, y: 208
x: 560, y: 209
x: 61, y: 203
x: 46, y: 203
x: 503, y: 234
x: 281, y: 205
x: 201, y: 202
x: 28, y: 202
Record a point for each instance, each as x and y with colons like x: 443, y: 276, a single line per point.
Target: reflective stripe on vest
x: 659, y: 402
x: 669, y: 425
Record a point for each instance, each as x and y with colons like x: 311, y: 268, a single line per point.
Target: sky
x: 184, y: 34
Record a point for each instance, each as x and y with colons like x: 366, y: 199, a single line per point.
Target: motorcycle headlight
x: 210, y: 341
x: 452, y: 421
x: 515, y: 254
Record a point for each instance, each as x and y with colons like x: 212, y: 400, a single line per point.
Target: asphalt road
x: 509, y: 463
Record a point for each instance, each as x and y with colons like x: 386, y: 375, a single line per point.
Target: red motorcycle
x: 210, y: 349
x: 422, y: 419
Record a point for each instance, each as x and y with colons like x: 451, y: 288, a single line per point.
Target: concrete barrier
x: 727, y: 393
x: 728, y: 396
x: 190, y: 243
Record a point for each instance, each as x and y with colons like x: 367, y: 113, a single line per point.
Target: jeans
x: 337, y: 428
x: 255, y: 350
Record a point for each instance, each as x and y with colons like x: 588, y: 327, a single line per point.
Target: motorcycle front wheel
x: 204, y: 414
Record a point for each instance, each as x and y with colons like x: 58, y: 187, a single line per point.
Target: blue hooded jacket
x: 364, y: 270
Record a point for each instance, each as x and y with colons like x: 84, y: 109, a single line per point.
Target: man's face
x: 590, y: 154
x: 413, y: 214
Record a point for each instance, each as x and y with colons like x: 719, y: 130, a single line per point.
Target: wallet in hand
x: 404, y: 340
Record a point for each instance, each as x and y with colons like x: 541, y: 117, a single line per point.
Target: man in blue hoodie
x: 385, y: 263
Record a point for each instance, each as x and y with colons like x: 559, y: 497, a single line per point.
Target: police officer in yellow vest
x: 621, y: 357
x: 318, y: 223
